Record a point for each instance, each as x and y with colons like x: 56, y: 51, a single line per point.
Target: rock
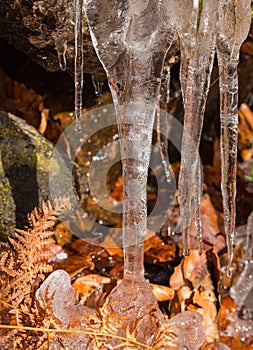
x: 41, y: 28
x: 24, y: 165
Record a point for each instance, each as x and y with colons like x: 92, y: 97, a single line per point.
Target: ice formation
x: 58, y: 296
x: 162, y: 123
x: 98, y: 87
x: 232, y: 28
x: 131, y: 46
x: 242, y: 290
x: 196, y: 30
x: 189, y: 330
x: 131, y: 39
x: 78, y: 61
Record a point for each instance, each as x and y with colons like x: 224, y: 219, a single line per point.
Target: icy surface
x: 57, y: 292
x: 78, y: 61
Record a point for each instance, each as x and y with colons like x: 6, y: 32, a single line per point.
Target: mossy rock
x: 25, y: 157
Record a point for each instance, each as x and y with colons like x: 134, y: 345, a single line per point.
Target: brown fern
x: 23, y: 266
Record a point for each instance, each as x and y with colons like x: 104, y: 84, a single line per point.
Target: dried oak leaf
x: 245, y: 132
x: 157, y: 252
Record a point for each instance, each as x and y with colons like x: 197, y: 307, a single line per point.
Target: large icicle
x: 131, y: 43
x: 196, y: 28
x: 78, y: 61
x: 233, y: 26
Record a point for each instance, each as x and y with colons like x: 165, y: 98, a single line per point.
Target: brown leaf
x: 75, y: 264
x: 245, y: 131
x: 156, y: 251
x: 111, y: 247
x: 87, y: 284
x: 162, y: 293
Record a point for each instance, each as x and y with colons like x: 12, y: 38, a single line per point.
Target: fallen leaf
x: 194, y: 291
x: 157, y: 252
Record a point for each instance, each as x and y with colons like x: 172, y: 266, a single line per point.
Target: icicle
x: 162, y: 139
x: 197, y: 37
x: 131, y: 43
x: 78, y: 62
x: 233, y: 26
x: 197, y: 196
x: 162, y: 124
x: 165, y: 85
x: 98, y: 86
x: 61, y: 51
x: 94, y: 82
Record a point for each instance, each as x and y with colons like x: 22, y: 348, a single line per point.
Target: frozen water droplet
x: 189, y: 329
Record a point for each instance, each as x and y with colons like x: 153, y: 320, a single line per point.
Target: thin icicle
x: 61, y: 48
x: 165, y: 85
x: 131, y: 42
x: 197, y: 214
x: 233, y: 26
x: 162, y: 140
x: 197, y: 37
x: 98, y: 87
x: 78, y: 62
x: 162, y: 123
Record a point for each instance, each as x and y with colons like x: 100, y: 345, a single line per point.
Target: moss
x: 7, y: 210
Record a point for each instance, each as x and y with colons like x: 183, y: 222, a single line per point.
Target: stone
x: 24, y: 167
